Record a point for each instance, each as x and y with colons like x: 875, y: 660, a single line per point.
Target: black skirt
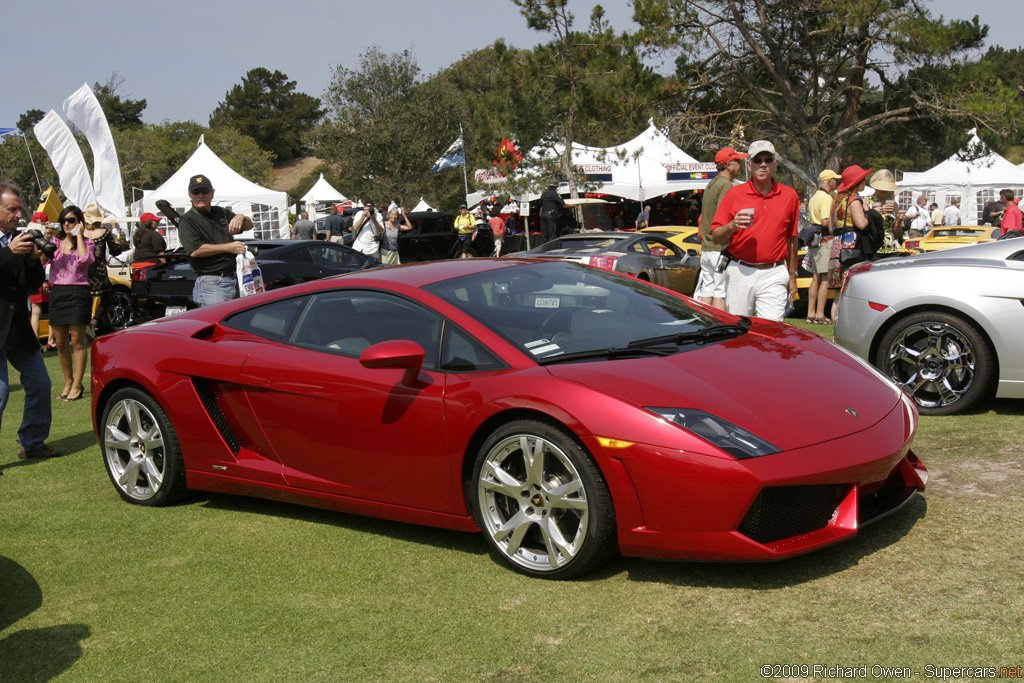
x: 70, y: 305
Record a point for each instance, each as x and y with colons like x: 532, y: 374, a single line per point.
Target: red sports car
x: 568, y: 412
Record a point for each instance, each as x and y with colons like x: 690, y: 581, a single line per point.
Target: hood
x: 793, y: 391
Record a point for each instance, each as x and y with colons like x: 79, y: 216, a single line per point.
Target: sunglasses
x: 763, y: 161
x: 200, y: 191
x: 70, y: 220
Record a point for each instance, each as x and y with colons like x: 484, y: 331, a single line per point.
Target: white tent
x: 423, y: 206
x: 976, y: 182
x: 320, y: 196
x: 267, y: 208
x: 649, y: 165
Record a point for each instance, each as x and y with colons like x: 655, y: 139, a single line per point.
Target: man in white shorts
x: 759, y: 220
x: 711, y: 284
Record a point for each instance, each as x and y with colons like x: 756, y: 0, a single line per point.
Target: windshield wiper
x: 610, y: 354
x: 703, y: 336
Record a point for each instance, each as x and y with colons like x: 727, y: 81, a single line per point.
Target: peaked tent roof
x: 231, y: 190
x: 423, y: 206
x: 322, y: 191
x: 965, y: 178
x: 647, y: 166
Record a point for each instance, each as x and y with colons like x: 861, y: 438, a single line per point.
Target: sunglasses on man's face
x: 763, y: 161
x: 201, y: 191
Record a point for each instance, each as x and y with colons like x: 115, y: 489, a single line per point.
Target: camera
x: 42, y: 244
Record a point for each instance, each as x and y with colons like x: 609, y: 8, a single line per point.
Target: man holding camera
x: 21, y: 271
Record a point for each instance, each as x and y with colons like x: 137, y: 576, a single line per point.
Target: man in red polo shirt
x: 759, y: 221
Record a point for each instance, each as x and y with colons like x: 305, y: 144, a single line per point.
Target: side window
x: 462, y: 353
x: 638, y: 247
x: 273, y: 321
x: 324, y: 254
x: 299, y: 256
x: 348, y: 322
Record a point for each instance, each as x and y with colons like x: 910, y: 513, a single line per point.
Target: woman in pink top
x: 70, y: 302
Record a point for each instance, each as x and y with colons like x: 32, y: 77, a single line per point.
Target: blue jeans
x: 35, y: 421
x: 214, y: 289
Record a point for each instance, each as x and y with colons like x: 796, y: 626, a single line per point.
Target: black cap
x: 199, y: 182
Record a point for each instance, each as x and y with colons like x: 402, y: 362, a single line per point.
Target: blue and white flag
x: 5, y: 131
x: 453, y: 156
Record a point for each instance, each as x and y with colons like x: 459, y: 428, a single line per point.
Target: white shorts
x: 710, y: 285
x: 764, y: 290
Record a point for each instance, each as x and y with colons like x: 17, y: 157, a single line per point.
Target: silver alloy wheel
x: 134, y: 448
x: 933, y: 362
x: 533, y: 502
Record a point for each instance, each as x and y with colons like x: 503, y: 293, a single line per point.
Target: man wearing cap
x: 367, y: 226
x: 819, y: 248
x: 22, y: 271
x: 207, y: 235
x: 759, y: 221
x: 711, y: 285
x: 550, y: 204
x: 465, y: 226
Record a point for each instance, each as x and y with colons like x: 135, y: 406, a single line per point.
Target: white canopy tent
x: 320, y: 196
x: 976, y: 182
x: 423, y: 206
x: 267, y: 208
x: 649, y: 165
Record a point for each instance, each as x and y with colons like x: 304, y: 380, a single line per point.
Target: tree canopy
x: 266, y: 108
x: 813, y: 78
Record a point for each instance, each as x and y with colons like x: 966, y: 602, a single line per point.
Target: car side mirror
x: 397, y: 353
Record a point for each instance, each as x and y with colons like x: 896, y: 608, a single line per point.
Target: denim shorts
x: 214, y: 289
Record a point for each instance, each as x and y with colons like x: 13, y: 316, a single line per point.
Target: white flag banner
x: 455, y: 155
x: 84, y: 110
x: 56, y: 138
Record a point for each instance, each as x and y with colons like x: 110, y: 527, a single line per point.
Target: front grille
x: 785, y: 511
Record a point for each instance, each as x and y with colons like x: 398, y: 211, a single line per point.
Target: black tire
x: 940, y: 359
x: 120, y: 311
x: 140, y: 449
x: 555, y: 521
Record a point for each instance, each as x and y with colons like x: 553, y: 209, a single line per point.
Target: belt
x: 762, y: 266
x: 219, y: 273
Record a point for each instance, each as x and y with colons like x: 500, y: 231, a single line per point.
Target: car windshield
x: 561, y: 311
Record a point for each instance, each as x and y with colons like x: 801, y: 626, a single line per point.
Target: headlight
x: 734, y: 440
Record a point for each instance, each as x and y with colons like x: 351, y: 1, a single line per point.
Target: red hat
x: 727, y: 154
x: 40, y: 217
x: 852, y: 176
x: 147, y: 217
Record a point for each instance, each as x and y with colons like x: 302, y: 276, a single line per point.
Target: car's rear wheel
x: 541, y: 501
x: 120, y: 312
x: 940, y: 359
x: 141, y: 450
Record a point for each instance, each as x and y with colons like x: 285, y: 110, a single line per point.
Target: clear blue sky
x: 182, y: 57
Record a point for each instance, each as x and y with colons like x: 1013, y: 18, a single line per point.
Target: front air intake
x: 785, y: 511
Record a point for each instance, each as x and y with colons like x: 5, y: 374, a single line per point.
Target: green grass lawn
x: 223, y: 588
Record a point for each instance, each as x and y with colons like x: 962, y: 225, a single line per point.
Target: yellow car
x: 951, y: 236
x: 685, y: 236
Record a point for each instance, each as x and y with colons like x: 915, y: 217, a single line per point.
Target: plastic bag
x: 248, y: 274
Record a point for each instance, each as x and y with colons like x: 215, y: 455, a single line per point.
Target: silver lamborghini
x: 946, y: 326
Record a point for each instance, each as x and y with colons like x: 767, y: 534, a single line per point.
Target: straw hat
x: 93, y: 214
x: 883, y: 180
x: 852, y: 177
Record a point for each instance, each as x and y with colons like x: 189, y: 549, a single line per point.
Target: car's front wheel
x: 541, y: 501
x: 141, y: 450
x: 940, y: 359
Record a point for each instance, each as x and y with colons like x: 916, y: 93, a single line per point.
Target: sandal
x: 825, y: 321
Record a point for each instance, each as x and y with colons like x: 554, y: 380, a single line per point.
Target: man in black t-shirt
x: 207, y: 234
x: 336, y: 225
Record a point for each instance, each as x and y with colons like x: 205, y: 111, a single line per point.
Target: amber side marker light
x: 609, y: 442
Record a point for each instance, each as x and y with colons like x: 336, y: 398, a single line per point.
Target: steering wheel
x: 556, y: 326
